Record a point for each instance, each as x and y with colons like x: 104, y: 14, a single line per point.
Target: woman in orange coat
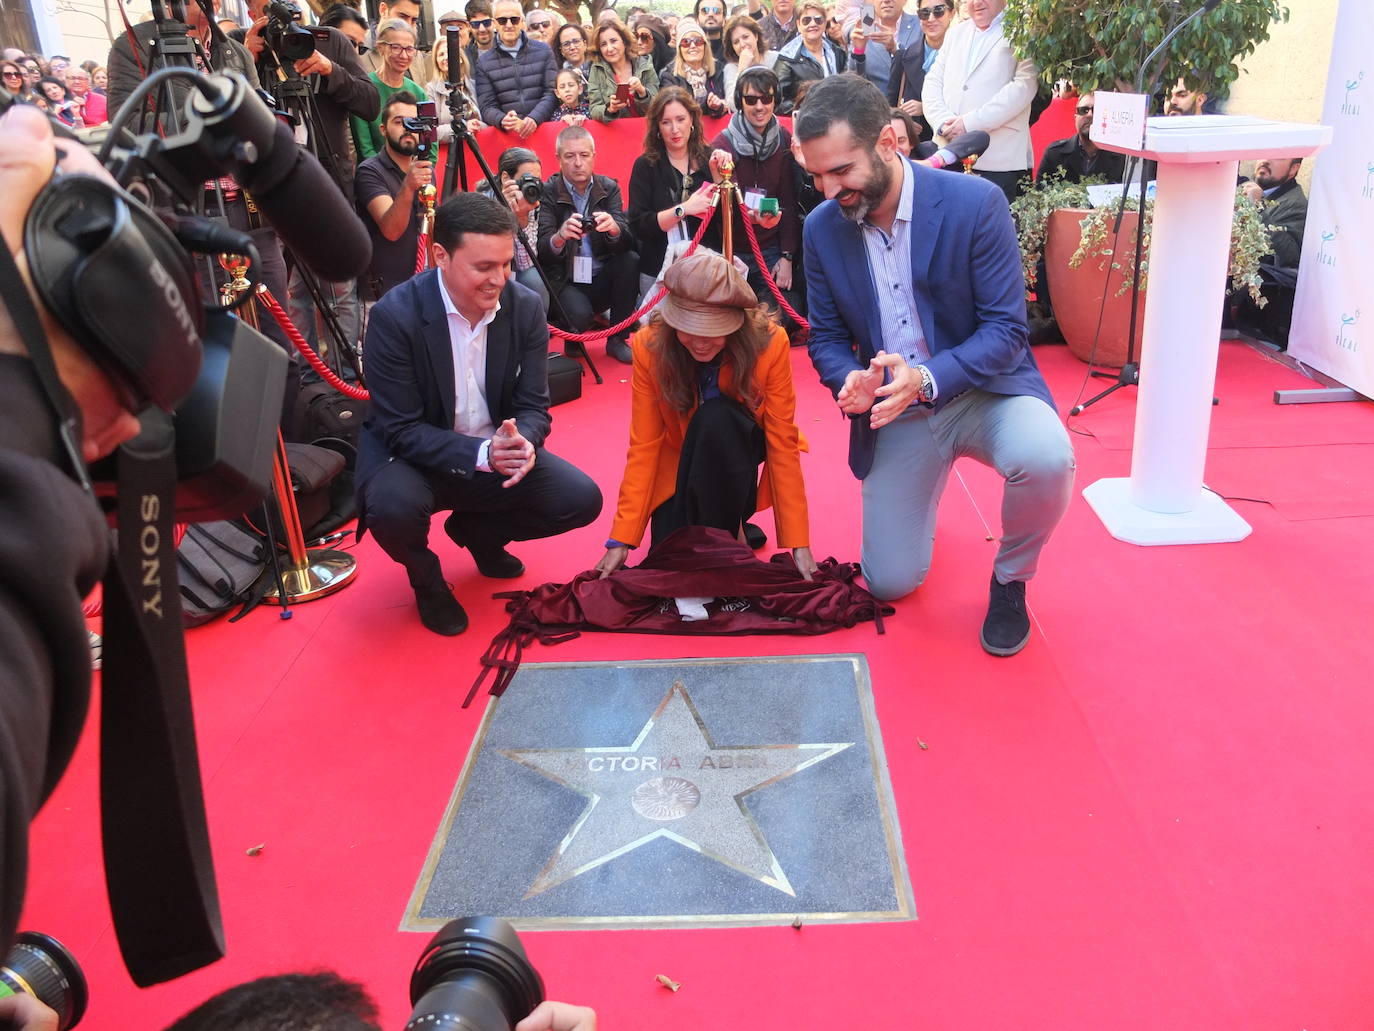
x: 712, y: 398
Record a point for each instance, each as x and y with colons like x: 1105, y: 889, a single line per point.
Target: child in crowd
x: 570, y: 88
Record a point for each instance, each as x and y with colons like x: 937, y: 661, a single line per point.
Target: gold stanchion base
x: 323, y: 572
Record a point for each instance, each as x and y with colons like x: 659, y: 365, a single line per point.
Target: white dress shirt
x: 471, y: 415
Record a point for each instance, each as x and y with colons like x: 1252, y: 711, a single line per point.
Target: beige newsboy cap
x: 706, y: 296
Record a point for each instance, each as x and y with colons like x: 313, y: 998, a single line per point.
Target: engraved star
x: 673, y: 781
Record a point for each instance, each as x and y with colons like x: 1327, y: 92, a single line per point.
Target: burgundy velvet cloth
x: 751, y: 597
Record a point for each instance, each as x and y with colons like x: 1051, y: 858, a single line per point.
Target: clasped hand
x: 511, y: 455
x: 863, y: 387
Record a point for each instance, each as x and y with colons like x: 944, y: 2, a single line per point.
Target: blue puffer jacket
x: 521, y: 82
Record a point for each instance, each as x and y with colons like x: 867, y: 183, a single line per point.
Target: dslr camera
x: 425, y: 124
x: 530, y: 187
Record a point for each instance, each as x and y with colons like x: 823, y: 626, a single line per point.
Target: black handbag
x: 565, y: 378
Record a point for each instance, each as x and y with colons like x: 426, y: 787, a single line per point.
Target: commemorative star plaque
x: 706, y: 792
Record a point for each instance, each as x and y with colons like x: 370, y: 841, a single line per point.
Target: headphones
x: 765, y: 79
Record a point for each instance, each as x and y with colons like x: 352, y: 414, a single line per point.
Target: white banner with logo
x: 1333, y: 313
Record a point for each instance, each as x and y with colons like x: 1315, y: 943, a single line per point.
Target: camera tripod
x: 458, y: 105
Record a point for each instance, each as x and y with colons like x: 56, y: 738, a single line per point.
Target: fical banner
x: 1333, y: 314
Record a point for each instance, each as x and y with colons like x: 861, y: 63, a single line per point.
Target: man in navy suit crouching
x: 918, y: 326
x: 457, y: 365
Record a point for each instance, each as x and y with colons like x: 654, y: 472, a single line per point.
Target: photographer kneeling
x: 522, y: 186
x: 585, y: 240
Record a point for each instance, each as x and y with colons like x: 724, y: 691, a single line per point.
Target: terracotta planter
x: 1076, y: 293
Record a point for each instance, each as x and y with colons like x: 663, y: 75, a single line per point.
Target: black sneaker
x: 440, y: 611
x: 1007, y: 626
x: 617, y: 348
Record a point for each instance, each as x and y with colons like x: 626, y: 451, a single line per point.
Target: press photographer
x: 318, y: 76
x: 388, y: 190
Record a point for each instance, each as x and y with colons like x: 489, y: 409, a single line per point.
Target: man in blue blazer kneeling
x: 918, y: 326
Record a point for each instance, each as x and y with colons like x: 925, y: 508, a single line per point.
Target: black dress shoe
x: 440, y: 611
x: 617, y: 348
x: 496, y: 563
x: 1007, y: 626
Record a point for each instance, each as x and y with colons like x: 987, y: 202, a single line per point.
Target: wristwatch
x: 925, y: 394
x: 679, y: 212
x: 786, y: 255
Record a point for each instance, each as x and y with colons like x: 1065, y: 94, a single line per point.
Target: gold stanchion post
x: 310, y: 574
x: 728, y: 198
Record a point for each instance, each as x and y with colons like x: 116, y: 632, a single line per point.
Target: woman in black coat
x: 695, y: 69
x: 670, y: 184
x: 808, y: 56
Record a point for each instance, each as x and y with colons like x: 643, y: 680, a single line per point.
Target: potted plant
x: 1100, y: 45
x: 1089, y: 266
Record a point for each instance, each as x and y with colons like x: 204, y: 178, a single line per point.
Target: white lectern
x: 1163, y: 501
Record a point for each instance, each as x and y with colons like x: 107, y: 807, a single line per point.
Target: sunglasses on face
x: 811, y: 19
x: 926, y: 13
x: 754, y: 99
x: 481, y: 23
x: 510, y: 19
x: 1083, y: 109
x: 693, y: 42
x: 400, y: 48
x: 644, y: 37
x: 13, y: 75
x: 540, y: 26
x: 713, y: 10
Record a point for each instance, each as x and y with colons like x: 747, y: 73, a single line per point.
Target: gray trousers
x: 1021, y: 437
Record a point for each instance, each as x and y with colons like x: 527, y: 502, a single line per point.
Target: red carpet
x: 1157, y: 816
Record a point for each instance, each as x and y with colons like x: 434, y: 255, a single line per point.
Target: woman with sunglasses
x: 12, y: 79
x: 911, y: 63
x: 396, y: 41
x: 652, y: 35
x: 810, y: 55
x: 570, y: 47
x: 743, y: 47
x: 670, y: 185
x: 695, y: 69
x: 615, y: 73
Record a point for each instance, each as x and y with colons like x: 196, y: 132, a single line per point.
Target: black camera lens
x: 40, y: 965
x: 531, y: 187
x: 473, y: 976
x: 588, y: 224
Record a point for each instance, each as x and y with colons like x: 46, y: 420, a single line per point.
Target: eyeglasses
x: 754, y: 99
x: 644, y: 37
x: 926, y: 13
x: 481, y: 23
x: 572, y: 41
x: 692, y: 41
x: 13, y: 75
x: 712, y: 10
x: 1083, y: 109
x: 400, y: 48
x: 362, y: 48
x: 811, y: 19
x: 510, y: 19
x: 540, y: 25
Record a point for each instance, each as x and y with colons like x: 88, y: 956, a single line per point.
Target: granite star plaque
x: 670, y: 793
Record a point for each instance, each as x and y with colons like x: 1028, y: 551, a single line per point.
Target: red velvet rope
x: 316, y: 362
x: 768, y: 275
x: 421, y: 246
x: 602, y: 334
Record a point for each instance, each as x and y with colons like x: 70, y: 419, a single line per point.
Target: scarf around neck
x: 748, y: 142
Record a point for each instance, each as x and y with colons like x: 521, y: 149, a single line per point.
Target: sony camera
x: 284, y: 33
x: 41, y: 966
x: 473, y: 976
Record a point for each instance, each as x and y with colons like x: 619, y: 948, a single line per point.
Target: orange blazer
x: 657, y: 431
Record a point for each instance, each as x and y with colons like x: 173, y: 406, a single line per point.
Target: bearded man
x: 918, y: 326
